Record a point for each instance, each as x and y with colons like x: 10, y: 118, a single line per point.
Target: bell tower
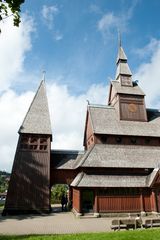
x: 125, y: 95
x: 29, y: 186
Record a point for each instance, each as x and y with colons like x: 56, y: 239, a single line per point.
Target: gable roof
x: 104, y: 120
x: 37, y: 119
x: 120, y: 156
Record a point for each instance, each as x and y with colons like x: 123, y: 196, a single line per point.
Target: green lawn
x: 148, y: 234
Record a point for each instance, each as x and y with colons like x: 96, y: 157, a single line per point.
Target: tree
x: 57, y: 191
x: 11, y: 8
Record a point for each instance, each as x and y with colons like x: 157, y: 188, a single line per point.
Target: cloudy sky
x: 75, y: 42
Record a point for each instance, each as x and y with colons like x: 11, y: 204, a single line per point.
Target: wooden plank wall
x: 76, y: 200
x: 138, y: 115
x: 119, y: 203
x: 29, y: 187
x: 62, y: 176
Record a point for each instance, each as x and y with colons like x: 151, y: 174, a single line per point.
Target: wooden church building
x: 118, y: 172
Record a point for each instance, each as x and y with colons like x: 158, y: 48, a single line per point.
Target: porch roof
x: 88, y: 180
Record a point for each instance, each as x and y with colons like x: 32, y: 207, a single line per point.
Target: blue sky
x: 76, y: 43
x: 70, y: 43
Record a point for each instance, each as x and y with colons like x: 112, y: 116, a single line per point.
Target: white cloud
x: 68, y: 113
x: 14, y: 43
x: 57, y: 36
x: 95, y: 9
x: 48, y: 13
x: 13, y: 108
x: 149, y: 49
x: 148, y: 73
x: 67, y: 117
x: 111, y: 22
x: 107, y: 23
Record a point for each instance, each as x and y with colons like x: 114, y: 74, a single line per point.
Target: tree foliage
x: 57, y: 191
x: 11, y: 8
x: 3, y: 184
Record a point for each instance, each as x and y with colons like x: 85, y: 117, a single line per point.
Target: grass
x: 148, y: 234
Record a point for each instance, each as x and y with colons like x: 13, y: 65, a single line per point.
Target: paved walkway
x: 54, y: 223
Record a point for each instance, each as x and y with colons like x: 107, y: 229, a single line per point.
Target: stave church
x: 118, y: 171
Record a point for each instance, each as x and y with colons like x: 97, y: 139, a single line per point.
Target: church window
x: 118, y: 139
x: 33, y: 147
x: 24, y: 142
x: 133, y: 140
x: 33, y: 143
x: 147, y: 141
x: 43, y: 141
x: 104, y: 139
x: 33, y: 140
x: 43, y: 144
x: 43, y: 147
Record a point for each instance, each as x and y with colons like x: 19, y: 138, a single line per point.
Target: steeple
x: 31, y: 168
x: 37, y: 119
x: 126, y: 96
x: 123, y: 73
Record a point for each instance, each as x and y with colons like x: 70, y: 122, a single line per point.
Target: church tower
x: 125, y: 95
x: 29, y: 187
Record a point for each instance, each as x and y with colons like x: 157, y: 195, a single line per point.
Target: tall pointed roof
x: 37, y: 119
x: 122, y: 65
x: 121, y: 55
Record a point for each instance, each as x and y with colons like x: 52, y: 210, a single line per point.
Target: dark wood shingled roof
x: 109, y: 123
x: 121, y: 156
x: 37, y: 119
x: 90, y: 180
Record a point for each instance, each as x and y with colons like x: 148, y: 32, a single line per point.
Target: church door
x: 87, y: 200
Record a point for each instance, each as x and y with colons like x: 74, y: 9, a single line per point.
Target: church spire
x: 37, y: 119
x: 123, y: 73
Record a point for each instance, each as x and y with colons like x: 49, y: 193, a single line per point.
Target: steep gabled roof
x: 105, y: 121
x: 37, y: 119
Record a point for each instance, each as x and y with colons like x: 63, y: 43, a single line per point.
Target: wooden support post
x: 142, y: 202
x: 153, y: 201
x: 96, y: 208
x: 80, y: 201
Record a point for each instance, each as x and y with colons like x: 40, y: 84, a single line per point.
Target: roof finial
x: 119, y: 38
x: 43, y: 75
x: 88, y: 103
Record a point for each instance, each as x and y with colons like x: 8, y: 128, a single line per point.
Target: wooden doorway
x: 87, y: 200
